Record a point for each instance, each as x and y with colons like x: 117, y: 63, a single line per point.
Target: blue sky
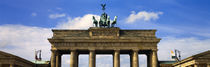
x: 180, y: 23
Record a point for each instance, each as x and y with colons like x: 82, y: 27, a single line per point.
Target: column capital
x: 135, y: 50
x: 154, y: 49
x: 58, y: 53
x: 53, y: 51
x: 148, y: 54
x: 116, y: 49
x: 91, y: 50
x: 73, y: 50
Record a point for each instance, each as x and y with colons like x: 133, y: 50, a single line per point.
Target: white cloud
x: 143, y: 15
x: 77, y: 23
x: 55, y: 16
x: 23, y: 40
x: 187, y: 46
x: 33, y: 14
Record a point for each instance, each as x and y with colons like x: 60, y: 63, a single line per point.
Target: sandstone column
x: 11, y: 65
x: 0, y: 65
x: 58, y: 59
x: 53, y: 58
x: 208, y: 65
x: 148, y: 60
x: 73, y: 58
x: 116, y: 58
x: 196, y: 65
x: 135, y: 58
x: 153, y: 57
x: 77, y: 59
x: 92, y: 57
x: 131, y: 59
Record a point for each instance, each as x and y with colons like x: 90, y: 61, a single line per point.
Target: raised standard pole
x: 135, y: 58
x: 116, y: 58
x: 92, y: 57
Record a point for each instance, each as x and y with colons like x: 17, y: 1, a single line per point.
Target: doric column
x: 153, y: 57
x: 53, y: 52
x: 135, y: 58
x: 0, y: 65
x: 148, y: 60
x: 77, y: 59
x: 58, y: 59
x: 196, y: 65
x: 208, y: 65
x: 11, y: 65
x: 131, y: 59
x: 73, y: 59
x: 116, y: 58
x: 92, y: 60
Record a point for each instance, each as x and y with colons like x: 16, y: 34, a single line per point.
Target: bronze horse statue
x: 95, y: 21
x: 114, y: 21
x: 103, y: 20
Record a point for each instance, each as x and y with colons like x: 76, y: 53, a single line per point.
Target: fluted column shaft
x: 154, y: 58
x: 73, y: 58
x: 11, y: 65
x: 58, y: 59
x: 77, y: 59
x: 92, y: 57
x: 148, y: 60
x: 116, y: 58
x: 53, y: 59
x: 135, y: 58
x: 208, y: 65
x: 131, y: 57
x: 196, y: 65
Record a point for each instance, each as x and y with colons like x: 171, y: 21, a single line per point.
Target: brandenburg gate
x: 104, y: 38
x: 99, y: 40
